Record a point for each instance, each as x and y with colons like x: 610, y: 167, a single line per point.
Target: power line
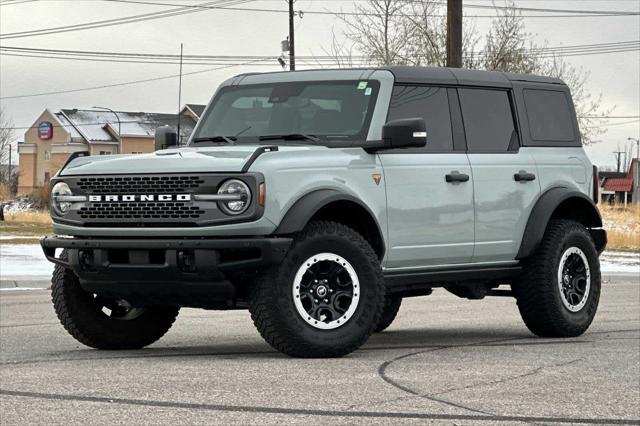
x: 180, y: 10
x: 614, y: 124
x: 469, y: 6
x: 12, y: 2
x: 126, y: 83
x: 202, y: 60
x: 611, y: 116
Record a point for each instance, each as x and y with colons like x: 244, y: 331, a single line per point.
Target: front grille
x: 137, y: 210
x: 140, y: 184
x: 152, y: 212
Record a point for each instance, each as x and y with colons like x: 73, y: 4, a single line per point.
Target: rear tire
x: 103, y: 323
x: 389, y: 312
x: 559, y: 289
x: 326, y: 297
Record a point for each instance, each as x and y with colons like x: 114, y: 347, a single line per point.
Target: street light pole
x: 637, y: 141
x: 9, y: 176
x: 119, y: 125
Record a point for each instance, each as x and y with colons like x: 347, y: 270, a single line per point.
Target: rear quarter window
x: 549, y: 115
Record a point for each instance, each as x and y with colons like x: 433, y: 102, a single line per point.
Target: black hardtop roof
x: 441, y: 75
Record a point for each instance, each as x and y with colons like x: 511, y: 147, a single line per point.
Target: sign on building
x: 45, y: 130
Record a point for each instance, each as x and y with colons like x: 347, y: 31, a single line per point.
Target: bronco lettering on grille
x: 140, y: 197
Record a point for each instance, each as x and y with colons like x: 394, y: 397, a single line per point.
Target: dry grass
x: 40, y: 217
x: 622, y: 225
x: 5, y: 192
x: 27, y: 226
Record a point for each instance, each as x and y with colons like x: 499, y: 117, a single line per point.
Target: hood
x: 181, y: 160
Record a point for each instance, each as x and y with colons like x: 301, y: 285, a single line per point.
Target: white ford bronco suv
x: 320, y: 199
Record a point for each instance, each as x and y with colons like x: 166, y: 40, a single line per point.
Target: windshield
x: 308, y: 112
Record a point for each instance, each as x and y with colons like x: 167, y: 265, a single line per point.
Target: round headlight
x: 241, y: 200
x: 60, y: 188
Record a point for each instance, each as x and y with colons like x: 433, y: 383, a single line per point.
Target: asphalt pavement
x: 444, y: 360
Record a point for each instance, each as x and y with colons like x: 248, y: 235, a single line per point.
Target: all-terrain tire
x: 538, y: 291
x: 389, y: 312
x: 274, y: 311
x: 82, y: 315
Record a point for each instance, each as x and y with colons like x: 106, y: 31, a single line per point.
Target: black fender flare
x: 544, y: 209
x: 309, y: 204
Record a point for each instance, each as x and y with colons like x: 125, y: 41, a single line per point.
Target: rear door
x: 505, y: 180
x: 430, y: 220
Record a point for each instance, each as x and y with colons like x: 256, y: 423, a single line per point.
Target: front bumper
x: 182, y: 272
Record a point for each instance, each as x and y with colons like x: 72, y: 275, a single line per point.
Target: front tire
x: 104, y: 323
x: 326, y: 297
x: 559, y: 290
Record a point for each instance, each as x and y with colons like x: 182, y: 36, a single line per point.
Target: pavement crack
x: 310, y: 412
x: 507, y: 379
x: 382, y: 372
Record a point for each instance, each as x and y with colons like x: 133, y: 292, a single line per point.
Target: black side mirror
x: 166, y: 137
x: 405, y: 133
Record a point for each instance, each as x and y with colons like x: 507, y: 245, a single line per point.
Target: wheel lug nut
x: 326, y: 300
x: 315, y: 300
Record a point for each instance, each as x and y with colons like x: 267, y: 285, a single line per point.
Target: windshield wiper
x: 290, y: 137
x: 228, y: 139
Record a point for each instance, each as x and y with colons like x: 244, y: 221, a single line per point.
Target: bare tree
x: 340, y: 52
x: 6, y: 137
x: 506, y: 47
x: 378, y: 31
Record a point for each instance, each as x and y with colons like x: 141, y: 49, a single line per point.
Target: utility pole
x: 292, y: 49
x: 618, y: 154
x: 180, y: 95
x: 454, y: 33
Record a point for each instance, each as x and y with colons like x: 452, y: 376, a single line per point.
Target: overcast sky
x: 232, y: 32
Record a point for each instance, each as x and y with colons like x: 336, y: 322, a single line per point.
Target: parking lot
x: 444, y: 360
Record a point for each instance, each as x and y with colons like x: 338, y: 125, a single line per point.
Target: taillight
x: 596, y: 185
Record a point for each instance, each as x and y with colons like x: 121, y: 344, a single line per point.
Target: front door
x: 504, y: 175
x: 429, y: 190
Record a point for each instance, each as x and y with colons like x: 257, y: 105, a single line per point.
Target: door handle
x: 523, y: 176
x: 456, y: 176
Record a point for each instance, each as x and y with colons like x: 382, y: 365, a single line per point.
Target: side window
x: 549, y: 115
x: 488, y: 121
x: 430, y: 103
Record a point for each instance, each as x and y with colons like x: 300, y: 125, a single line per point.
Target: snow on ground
x: 27, y: 260
x: 620, y: 261
x: 16, y: 237
x: 23, y: 260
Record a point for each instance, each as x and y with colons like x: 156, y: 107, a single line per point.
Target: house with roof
x: 621, y: 187
x: 55, y: 135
